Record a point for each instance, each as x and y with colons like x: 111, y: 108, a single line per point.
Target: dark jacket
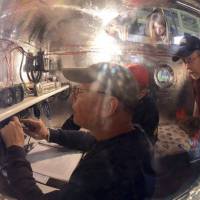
x: 196, y: 90
x: 110, y: 169
x: 147, y: 116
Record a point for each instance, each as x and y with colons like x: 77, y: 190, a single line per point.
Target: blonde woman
x: 158, y: 28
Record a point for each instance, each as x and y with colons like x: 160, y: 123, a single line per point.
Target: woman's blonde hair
x: 159, y: 17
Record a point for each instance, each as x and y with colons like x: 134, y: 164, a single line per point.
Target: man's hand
x: 13, y: 134
x: 35, y: 129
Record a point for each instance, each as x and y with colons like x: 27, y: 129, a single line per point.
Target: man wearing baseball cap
x: 113, y: 164
x: 145, y: 113
x: 189, y: 53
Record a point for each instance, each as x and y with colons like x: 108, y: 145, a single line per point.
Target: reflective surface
x: 80, y: 33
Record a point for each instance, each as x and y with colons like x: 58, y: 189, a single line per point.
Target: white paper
x: 53, y: 162
x: 40, y: 177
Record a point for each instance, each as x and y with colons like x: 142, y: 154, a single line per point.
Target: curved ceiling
x: 57, y: 25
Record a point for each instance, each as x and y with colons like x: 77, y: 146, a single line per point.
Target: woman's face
x: 159, y: 29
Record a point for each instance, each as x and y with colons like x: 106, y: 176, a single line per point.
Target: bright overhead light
x: 107, y: 47
x: 107, y: 15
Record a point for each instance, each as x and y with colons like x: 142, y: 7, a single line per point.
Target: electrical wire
x: 47, y: 109
x: 35, y: 76
x: 20, y: 69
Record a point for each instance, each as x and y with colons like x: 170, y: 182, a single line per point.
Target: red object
x: 181, y: 114
x: 141, y: 74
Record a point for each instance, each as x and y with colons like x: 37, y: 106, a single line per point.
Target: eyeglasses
x: 77, y: 90
x: 190, y: 60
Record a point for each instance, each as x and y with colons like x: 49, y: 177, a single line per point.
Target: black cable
x: 29, y: 77
x: 33, y: 68
x: 47, y: 109
x: 36, y: 111
x: 20, y: 69
x: 36, y: 76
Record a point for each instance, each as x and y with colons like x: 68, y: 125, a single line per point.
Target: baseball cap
x: 187, y: 46
x: 114, y: 80
x: 140, y: 73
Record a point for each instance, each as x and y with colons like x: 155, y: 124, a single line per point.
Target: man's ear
x: 110, y: 106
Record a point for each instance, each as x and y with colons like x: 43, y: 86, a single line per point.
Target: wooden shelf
x: 26, y: 103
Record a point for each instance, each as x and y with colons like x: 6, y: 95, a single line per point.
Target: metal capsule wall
x: 80, y: 33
